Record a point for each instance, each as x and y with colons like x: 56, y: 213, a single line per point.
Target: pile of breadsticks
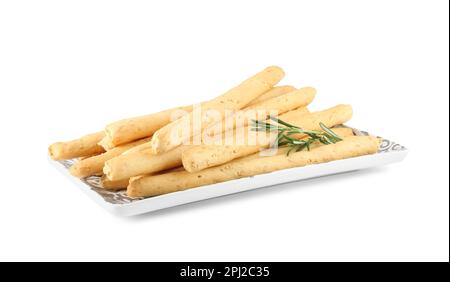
x: 143, y: 155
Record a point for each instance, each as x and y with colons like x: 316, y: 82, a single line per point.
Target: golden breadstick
x: 94, y: 165
x: 278, y: 105
x: 272, y: 93
x: 281, y: 103
x: 204, y: 156
x: 138, y: 160
x: 114, y: 185
x: 85, y: 146
x: 173, y: 134
x: 142, y: 162
x: 287, y: 101
x: 127, y: 130
x: 342, y: 132
x: 177, y: 181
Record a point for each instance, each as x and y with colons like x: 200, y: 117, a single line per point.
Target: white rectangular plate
x: 120, y: 204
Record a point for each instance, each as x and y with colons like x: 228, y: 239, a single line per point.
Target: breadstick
x: 272, y: 93
x: 142, y: 162
x: 288, y: 101
x: 127, y: 130
x: 172, y: 135
x: 114, y: 185
x: 94, y: 165
x: 139, y: 160
x: 280, y: 104
x: 84, y: 146
x: 177, y: 181
x: 204, y: 156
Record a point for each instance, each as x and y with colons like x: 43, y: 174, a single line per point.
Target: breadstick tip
x: 54, y: 151
x: 131, y: 189
x: 274, y: 74
x: 107, y: 170
x: 77, y: 171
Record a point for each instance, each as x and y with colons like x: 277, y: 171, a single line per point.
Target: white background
x: 69, y: 67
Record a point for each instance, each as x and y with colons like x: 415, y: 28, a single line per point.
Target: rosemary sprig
x: 286, y: 132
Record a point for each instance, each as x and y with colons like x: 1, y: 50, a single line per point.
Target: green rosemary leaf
x: 282, y: 122
x: 287, y: 131
x: 329, y: 131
